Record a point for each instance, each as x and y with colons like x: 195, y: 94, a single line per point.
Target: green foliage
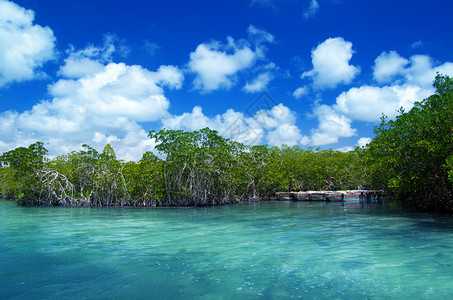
x: 18, y: 174
x: 200, y: 167
x: 144, y: 179
x: 86, y: 177
x: 24, y: 160
x: 411, y: 156
x: 300, y: 169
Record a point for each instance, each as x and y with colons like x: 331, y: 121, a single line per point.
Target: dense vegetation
x: 200, y: 168
x: 411, y: 157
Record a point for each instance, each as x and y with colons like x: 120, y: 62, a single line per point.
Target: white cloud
x: 331, y: 63
x: 24, y: 47
x: 345, y: 149
x: 150, y: 47
x: 79, y: 67
x: 388, y: 65
x: 299, y: 92
x: 259, y: 36
x: 332, y: 126
x: 284, y: 134
x: 104, y: 104
x: 87, y: 61
x: 231, y: 124
x: 276, y: 124
x: 415, y: 77
x: 216, y: 64
x: 91, y: 59
x: 194, y: 120
x: 422, y: 70
x: 412, y: 82
x: 368, y: 103
x: 419, y: 70
x: 259, y: 83
x: 417, y: 45
x: 312, y: 10
x: 277, y: 115
x: 362, y: 142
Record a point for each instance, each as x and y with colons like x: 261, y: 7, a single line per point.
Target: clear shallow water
x: 269, y: 250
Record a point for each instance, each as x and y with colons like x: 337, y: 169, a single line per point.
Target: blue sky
x: 313, y: 73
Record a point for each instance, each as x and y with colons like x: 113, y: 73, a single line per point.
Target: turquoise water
x: 269, y: 250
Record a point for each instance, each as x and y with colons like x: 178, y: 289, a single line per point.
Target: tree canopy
x: 412, y: 156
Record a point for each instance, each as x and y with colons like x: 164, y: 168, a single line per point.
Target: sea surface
x: 267, y: 250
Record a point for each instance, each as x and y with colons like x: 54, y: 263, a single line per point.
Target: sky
x: 312, y: 73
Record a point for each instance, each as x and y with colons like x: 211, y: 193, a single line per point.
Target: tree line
x: 410, y: 157
x: 194, y: 168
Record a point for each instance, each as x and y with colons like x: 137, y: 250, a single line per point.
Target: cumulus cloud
x: 101, y: 105
x: 216, y: 65
x: 312, y: 9
x: 77, y: 67
x: 24, y: 47
x: 388, y: 65
x: 91, y: 59
x: 194, y: 120
x: 259, y: 83
x: 231, y: 124
x: 276, y: 125
x: 418, y: 70
x: 412, y: 81
x: 277, y: 115
x: 332, y: 126
x: 331, y: 64
x: 284, y: 134
x: 368, y: 103
x: 422, y: 70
